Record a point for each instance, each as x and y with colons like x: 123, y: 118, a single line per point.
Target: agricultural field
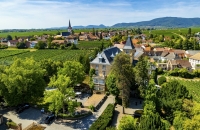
x: 7, y: 53
x: 29, y: 33
x: 193, y: 88
x: 91, y: 44
x: 170, y: 32
x: 55, y: 55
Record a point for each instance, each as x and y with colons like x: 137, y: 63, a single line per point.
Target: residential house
x: 103, y: 62
x: 12, y: 43
x: 102, y: 65
x: 83, y: 37
x: 59, y: 42
x: 33, y: 43
x: 71, y: 39
x: 195, y: 61
x: 172, y: 64
x: 189, y: 53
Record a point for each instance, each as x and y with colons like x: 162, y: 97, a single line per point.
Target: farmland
x: 7, y: 53
x: 91, y: 44
x: 170, y: 32
x: 193, y: 88
x: 55, y: 55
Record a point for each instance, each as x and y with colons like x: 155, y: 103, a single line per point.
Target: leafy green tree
x: 161, y: 80
x: 21, y: 45
x: 127, y: 123
x: 141, y: 74
x: 123, y: 71
x: 9, y: 37
x: 189, y: 31
x: 40, y: 45
x: 111, y: 84
x: 85, y: 61
x: 101, y: 36
x: 74, y: 70
x: 66, y: 91
x: 22, y: 82
x: 171, y: 98
x: 93, y: 31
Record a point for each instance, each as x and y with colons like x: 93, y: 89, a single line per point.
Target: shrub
x: 104, y: 120
x: 11, y: 124
x: 91, y: 107
x: 161, y: 80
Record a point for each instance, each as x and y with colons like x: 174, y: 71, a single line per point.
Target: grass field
x: 55, y: 55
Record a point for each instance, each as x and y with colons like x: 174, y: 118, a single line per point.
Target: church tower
x: 69, y: 27
x: 129, y: 49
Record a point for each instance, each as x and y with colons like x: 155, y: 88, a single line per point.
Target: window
x: 97, y: 72
x: 95, y: 81
x: 126, y: 51
x: 104, y: 73
x: 97, y: 66
x: 103, y: 67
x: 101, y: 81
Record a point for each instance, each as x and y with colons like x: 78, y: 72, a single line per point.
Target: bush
x: 104, y: 120
x: 161, y: 80
x: 11, y: 124
x: 91, y: 107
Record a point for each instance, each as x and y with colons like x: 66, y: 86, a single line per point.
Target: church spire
x: 69, y: 24
x: 69, y: 27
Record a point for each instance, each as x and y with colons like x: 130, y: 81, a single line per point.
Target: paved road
x: 34, y: 115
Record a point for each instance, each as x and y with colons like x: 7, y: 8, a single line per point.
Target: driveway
x: 34, y: 115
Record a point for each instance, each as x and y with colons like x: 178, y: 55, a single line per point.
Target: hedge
x: 104, y: 120
x: 161, y: 80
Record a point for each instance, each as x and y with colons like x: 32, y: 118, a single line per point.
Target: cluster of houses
x: 165, y: 58
x: 63, y: 39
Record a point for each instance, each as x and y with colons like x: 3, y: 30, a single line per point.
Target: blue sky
x: 17, y: 14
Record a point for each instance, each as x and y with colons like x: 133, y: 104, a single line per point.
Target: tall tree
x: 22, y: 82
x: 93, y: 31
x: 9, y: 37
x: 123, y: 71
x: 141, y: 74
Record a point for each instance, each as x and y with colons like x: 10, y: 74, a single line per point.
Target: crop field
x: 169, y: 32
x: 91, y: 44
x: 193, y: 88
x: 55, y: 55
x: 7, y: 53
x: 29, y: 33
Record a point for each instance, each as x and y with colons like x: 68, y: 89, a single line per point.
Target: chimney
x: 20, y: 126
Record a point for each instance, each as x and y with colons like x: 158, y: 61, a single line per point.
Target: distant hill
x: 91, y: 26
x: 163, y: 22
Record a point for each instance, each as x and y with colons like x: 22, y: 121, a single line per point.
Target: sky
x: 28, y: 14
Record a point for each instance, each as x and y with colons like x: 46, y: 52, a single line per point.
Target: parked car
x: 21, y: 108
x: 49, y: 119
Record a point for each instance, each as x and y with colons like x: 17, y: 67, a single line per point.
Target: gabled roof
x: 129, y: 44
x: 196, y: 56
x: 13, y: 41
x: 64, y: 34
x: 181, y: 63
x: 106, y: 56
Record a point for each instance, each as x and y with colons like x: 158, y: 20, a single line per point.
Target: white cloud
x: 45, y: 13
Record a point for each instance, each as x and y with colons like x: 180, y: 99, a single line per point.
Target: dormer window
x: 112, y: 56
x: 100, y: 58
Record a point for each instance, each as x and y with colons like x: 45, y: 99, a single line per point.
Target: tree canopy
x: 22, y: 82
